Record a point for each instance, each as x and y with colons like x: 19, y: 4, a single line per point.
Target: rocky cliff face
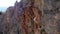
x: 23, y: 18
x: 32, y: 17
x: 51, y: 12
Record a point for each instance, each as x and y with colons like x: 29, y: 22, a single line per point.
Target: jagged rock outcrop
x: 31, y: 16
x: 23, y: 18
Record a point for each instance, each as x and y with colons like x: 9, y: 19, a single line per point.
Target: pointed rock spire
x: 16, y: 2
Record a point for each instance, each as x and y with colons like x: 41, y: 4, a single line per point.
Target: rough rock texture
x: 51, y: 18
x: 31, y: 16
x: 23, y: 18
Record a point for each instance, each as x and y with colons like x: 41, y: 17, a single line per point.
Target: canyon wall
x: 51, y: 18
x: 23, y: 18
x: 31, y: 17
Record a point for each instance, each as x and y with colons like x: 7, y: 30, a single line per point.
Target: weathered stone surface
x: 30, y: 16
x: 23, y: 18
x: 51, y: 12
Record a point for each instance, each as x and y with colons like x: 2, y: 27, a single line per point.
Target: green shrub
x: 43, y: 30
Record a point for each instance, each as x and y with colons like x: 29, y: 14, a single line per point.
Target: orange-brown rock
x: 23, y: 18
